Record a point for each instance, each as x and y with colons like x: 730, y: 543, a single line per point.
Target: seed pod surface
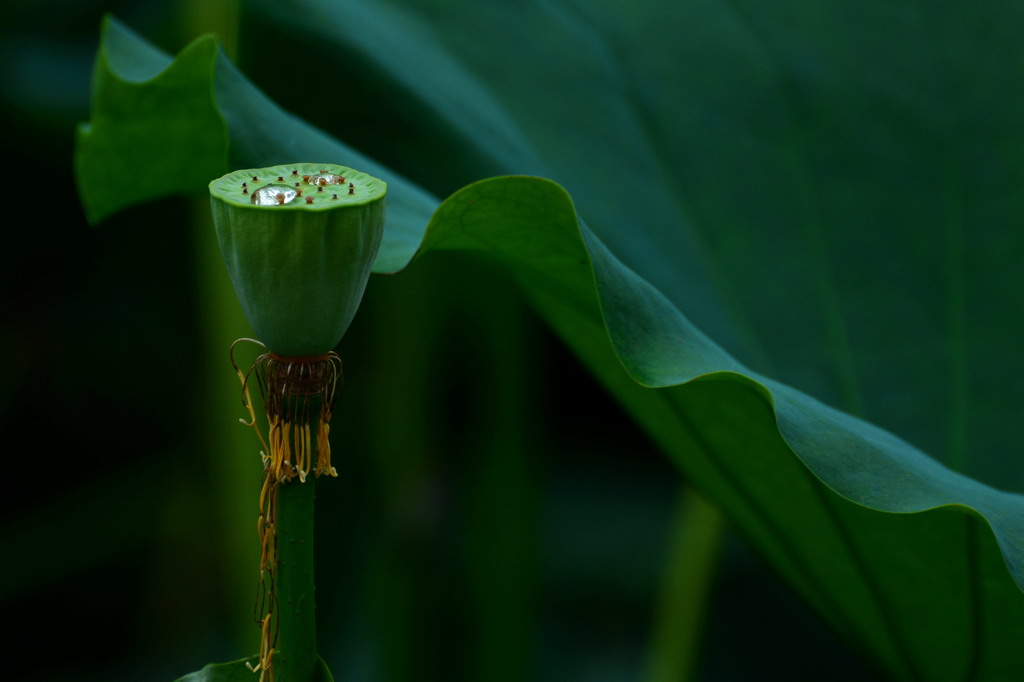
x: 299, y: 259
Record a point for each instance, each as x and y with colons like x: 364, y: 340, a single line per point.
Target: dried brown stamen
x: 298, y: 395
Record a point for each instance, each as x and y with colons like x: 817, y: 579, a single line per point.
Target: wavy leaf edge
x: 997, y: 513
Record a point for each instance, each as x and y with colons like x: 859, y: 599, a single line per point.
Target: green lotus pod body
x: 299, y: 241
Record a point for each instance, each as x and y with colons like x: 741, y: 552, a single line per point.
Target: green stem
x: 693, y: 557
x: 297, y: 659
x: 230, y: 450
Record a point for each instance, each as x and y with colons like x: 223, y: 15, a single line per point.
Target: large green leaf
x: 826, y: 496
x: 831, y: 194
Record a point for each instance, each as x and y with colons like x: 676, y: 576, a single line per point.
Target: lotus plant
x: 298, y: 241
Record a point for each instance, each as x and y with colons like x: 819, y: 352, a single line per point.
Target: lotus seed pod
x: 299, y: 241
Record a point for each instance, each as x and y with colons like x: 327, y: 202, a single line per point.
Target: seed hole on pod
x: 274, y: 195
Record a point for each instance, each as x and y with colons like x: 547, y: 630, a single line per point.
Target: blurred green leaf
x: 928, y: 595
x: 237, y: 671
x: 131, y: 163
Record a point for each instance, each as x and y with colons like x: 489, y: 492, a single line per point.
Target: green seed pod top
x: 299, y: 241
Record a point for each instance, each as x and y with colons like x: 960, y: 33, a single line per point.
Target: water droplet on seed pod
x: 324, y: 179
x: 273, y: 195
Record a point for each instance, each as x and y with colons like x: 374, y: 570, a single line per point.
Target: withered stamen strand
x: 290, y: 388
